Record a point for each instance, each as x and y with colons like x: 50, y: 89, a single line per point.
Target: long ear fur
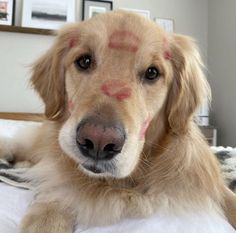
x: 48, y: 75
x: 189, y: 87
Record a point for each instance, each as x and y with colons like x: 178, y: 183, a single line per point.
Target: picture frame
x: 47, y: 14
x: 7, y: 12
x: 94, y: 7
x: 144, y: 13
x: 166, y: 24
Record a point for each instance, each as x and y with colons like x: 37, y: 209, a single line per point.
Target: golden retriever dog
x: 120, y: 139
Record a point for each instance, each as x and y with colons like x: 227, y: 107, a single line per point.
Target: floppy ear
x: 48, y: 74
x: 189, y: 87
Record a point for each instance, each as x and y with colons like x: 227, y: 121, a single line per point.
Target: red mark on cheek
x: 116, y: 89
x: 144, y: 128
x: 166, y: 50
x: 124, y: 40
x: 70, y: 105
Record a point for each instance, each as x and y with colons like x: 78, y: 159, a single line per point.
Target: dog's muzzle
x: 99, y: 139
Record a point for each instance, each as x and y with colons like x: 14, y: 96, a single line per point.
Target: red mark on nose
x: 117, y: 89
x: 144, y: 128
x: 124, y: 40
x: 166, y: 50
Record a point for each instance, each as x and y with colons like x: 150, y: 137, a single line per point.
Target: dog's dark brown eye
x: 152, y: 73
x: 84, y: 62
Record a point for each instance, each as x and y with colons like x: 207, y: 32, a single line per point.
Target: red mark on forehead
x: 116, y: 89
x: 144, y: 128
x: 166, y: 49
x: 124, y: 40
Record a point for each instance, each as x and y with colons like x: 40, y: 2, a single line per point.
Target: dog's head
x: 107, y: 79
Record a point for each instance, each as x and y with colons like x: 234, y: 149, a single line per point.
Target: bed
x: 14, y: 201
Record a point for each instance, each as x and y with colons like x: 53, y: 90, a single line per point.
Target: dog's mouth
x: 93, y: 168
x: 99, y: 168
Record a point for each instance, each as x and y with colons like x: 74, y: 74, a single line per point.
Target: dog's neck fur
x: 173, y: 170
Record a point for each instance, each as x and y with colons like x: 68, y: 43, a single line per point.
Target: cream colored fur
x: 172, y: 170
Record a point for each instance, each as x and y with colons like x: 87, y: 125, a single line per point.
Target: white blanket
x: 14, y: 202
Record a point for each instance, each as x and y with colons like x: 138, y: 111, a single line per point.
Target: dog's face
x: 108, y: 79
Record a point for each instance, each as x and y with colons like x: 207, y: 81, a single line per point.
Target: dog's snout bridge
x: 116, y: 89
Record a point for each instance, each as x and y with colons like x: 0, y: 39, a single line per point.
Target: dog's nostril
x: 109, y: 147
x: 115, y: 148
x: 110, y: 150
x: 88, y: 144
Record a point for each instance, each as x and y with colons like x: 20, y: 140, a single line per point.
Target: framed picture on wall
x: 47, y: 14
x: 166, y: 24
x: 92, y: 8
x: 144, y: 13
x: 7, y: 8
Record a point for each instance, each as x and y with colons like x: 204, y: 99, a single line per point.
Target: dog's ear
x: 189, y: 87
x: 48, y: 73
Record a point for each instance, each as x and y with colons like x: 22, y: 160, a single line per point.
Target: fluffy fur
x: 171, y: 170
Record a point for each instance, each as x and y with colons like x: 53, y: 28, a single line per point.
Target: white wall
x: 222, y: 68
x: 19, y: 50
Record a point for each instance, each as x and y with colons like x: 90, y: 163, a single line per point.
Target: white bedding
x: 14, y: 202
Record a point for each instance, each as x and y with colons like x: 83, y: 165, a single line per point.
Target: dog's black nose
x: 99, y: 140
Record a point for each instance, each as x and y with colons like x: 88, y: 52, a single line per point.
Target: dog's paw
x: 6, y: 153
x: 46, y: 218
x: 41, y: 224
x: 4, y: 164
x: 8, y: 157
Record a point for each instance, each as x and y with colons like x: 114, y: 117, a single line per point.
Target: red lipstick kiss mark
x: 124, y: 40
x: 144, y: 128
x: 73, y: 39
x: 117, y: 89
x: 70, y: 105
x: 166, y: 50
x: 72, y: 42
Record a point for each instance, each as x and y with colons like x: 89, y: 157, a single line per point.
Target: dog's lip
x: 93, y: 169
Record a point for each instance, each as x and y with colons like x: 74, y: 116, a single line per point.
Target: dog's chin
x: 95, y: 171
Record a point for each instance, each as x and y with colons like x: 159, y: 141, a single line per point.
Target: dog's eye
x: 84, y: 62
x: 152, y: 73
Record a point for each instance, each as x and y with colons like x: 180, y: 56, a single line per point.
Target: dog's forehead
x: 129, y: 34
x: 135, y: 39
x: 124, y: 40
